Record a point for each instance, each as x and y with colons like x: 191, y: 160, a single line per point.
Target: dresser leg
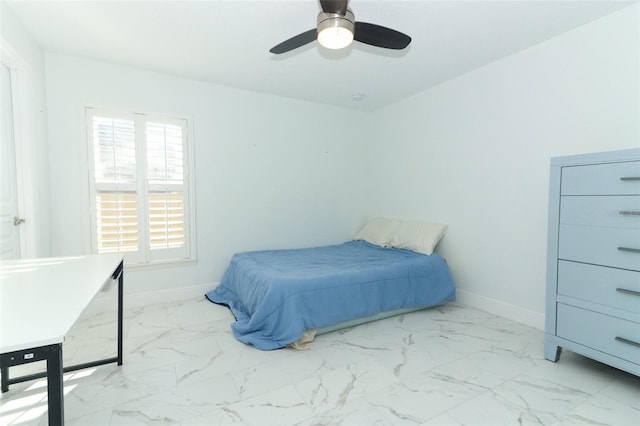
x: 552, y: 351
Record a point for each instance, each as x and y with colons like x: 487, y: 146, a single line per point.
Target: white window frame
x: 144, y: 255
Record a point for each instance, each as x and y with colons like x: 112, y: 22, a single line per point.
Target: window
x: 139, y: 176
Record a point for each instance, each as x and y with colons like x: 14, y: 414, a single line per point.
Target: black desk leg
x: 4, y: 370
x: 120, y: 297
x: 55, y: 393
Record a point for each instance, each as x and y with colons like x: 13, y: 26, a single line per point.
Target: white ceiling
x: 228, y: 42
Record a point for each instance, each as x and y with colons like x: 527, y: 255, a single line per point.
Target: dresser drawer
x: 599, y: 245
x: 611, y: 335
x: 602, y: 179
x: 620, y: 211
x: 616, y: 288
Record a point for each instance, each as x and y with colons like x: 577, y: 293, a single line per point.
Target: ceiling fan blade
x: 334, y: 6
x: 379, y: 36
x: 295, y: 42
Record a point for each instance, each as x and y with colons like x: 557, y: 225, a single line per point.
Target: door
x: 9, y: 218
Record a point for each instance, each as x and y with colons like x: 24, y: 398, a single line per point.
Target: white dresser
x: 593, y: 265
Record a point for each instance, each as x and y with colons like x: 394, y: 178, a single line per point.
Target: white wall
x: 269, y: 172
x: 21, y: 53
x: 474, y: 152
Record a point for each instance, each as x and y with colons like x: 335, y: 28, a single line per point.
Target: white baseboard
x: 105, y: 302
x: 496, y: 307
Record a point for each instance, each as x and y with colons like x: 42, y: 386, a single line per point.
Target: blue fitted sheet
x: 276, y: 295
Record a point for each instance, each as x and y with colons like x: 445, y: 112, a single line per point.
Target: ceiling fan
x: 337, y: 28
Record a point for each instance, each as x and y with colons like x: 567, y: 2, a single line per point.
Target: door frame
x: 23, y: 122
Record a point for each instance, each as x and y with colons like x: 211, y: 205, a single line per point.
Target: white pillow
x: 418, y: 236
x: 378, y: 231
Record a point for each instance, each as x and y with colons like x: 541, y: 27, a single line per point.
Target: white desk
x: 40, y: 300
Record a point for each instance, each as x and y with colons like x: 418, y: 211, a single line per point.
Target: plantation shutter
x: 139, y: 186
x: 165, y: 174
x: 114, y: 147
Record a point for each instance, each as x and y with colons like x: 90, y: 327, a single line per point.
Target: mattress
x: 275, y: 295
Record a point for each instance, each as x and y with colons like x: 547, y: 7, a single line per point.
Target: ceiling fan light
x: 335, y: 37
x: 334, y: 30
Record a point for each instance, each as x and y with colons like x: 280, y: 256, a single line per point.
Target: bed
x: 278, y: 295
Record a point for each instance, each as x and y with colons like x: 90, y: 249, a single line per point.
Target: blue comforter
x: 276, y: 295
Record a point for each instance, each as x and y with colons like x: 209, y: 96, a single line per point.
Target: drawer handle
x: 630, y: 178
x: 627, y: 341
x: 626, y: 291
x: 629, y: 249
x: 629, y: 212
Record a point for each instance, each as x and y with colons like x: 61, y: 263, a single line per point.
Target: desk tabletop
x: 41, y: 299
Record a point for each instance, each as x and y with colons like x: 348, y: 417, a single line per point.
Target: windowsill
x: 158, y: 264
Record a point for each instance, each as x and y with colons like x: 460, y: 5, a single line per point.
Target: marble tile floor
x: 451, y: 365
